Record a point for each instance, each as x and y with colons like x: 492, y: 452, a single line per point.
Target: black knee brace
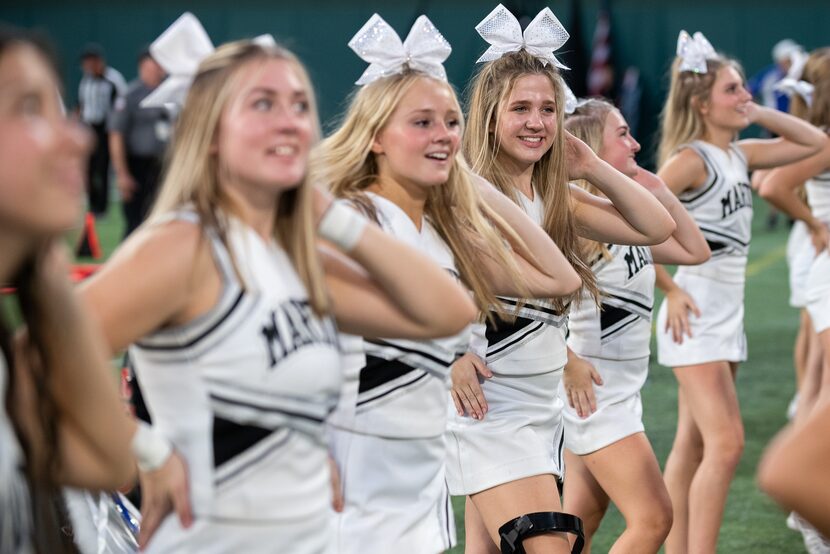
x: 517, y: 530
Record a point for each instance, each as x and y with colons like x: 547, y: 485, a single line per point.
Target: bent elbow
x: 766, y: 190
x: 572, y: 284
x: 459, y: 317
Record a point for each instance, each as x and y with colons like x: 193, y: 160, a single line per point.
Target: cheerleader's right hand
x: 164, y: 490
x: 679, y: 305
x: 820, y: 235
x: 466, y: 389
x: 579, y: 378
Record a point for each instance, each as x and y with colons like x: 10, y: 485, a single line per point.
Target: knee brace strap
x: 517, y: 530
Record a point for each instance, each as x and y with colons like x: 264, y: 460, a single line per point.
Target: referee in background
x: 137, y: 140
x: 99, y: 88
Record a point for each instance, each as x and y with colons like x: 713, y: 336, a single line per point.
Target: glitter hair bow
x: 179, y: 50
x: 792, y: 83
x: 694, y: 51
x: 424, y: 49
x: 542, y: 37
x: 571, y: 101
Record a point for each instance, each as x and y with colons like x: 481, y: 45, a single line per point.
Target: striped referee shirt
x: 97, y: 95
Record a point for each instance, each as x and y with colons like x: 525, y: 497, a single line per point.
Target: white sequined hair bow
x: 179, y: 50
x: 792, y: 83
x: 424, y: 49
x: 542, y: 37
x: 694, y: 51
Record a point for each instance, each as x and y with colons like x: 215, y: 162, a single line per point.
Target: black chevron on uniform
x: 611, y: 315
x: 231, y: 439
x: 500, y: 329
x: 715, y: 246
x: 378, y: 371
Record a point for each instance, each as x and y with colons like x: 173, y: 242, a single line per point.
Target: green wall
x: 643, y: 32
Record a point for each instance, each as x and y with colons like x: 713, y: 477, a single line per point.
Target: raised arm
x: 797, y: 139
x: 780, y: 187
x: 686, y: 246
x: 382, y: 287
x: 545, y: 269
x: 630, y: 215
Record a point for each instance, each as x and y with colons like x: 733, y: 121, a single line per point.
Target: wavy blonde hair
x: 344, y: 162
x: 587, y: 123
x: 682, y: 121
x: 489, y: 90
x: 192, y: 176
x: 816, y: 72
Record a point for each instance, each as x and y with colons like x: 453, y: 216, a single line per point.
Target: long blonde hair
x: 587, y: 123
x: 344, y: 162
x: 490, y: 88
x: 192, y: 176
x: 682, y: 120
x: 816, y: 72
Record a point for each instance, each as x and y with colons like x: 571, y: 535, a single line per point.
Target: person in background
x: 137, y: 140
x: 762, y: 86
x: 97, y: 92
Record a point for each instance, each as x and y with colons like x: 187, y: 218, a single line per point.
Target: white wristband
x: 150, y: 449
x: 342, y: 226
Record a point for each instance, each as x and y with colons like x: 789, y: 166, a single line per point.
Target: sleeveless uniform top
x: 399, y: 388
x: 243, y: 390
x: 535, y: 342
x: 818, y: 196
x: 15, y: 507
x: 722, y: 208
x: 620, y: 329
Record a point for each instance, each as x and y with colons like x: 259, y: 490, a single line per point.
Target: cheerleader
x: 61, y: 422
x: 228, y: 307
x: 608, y: 456
x: 793, y: 469
x: 783, y: 187
x: 506, y: 458
x: 703, y: 164
x: 396, y: 155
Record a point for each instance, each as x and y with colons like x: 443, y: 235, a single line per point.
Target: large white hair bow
x: 792, y: 83
x: 694, y: 51
x: 424, y: 49
x: 542, y: 37
x: 179, y: 50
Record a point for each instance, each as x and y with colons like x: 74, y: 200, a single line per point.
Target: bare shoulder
x: 168, y: 255
x: 683, y: 171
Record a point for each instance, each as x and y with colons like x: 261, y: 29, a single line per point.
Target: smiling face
x: 419, y: 141
x: 266, y: 130
x: 618, y: 146
x: 728, y: 100
x: 43, y: 155
x: 527, y: 121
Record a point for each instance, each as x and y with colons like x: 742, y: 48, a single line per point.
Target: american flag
x: 601, y: 74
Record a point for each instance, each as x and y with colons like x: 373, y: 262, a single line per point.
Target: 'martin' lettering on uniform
x: 636, y: 258
x: 294, y: 325
x: 739, y: 196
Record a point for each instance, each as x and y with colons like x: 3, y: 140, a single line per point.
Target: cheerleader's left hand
x: 579, y: 378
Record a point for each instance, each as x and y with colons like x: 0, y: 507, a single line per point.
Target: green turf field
x: 752, y: 523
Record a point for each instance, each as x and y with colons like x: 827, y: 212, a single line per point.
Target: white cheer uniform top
x: 535, y: 342
x: 818, y: 196
x: 620, y: 328
x: 243, y: 390
x: 15, y: 507
x: 722, y: 208
x: 397, y: 388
